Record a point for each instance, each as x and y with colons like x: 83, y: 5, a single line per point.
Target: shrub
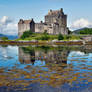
x: 26, y: 34
x: 60, y: 37
x: 4, y: 38
x: 66, y: 37
x: 45, y: 31
x: 45, y: 37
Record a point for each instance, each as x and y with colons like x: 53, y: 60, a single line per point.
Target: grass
x: 39, y: 36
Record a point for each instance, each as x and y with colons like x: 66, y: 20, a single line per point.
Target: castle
x: 55, y: 23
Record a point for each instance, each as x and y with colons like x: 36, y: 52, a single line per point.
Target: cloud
x: 78, y: 53
x: 81, y: 23
x: 6, y: 20
x: 8, y: 26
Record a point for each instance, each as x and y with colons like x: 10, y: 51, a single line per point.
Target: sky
x: 78, y: 12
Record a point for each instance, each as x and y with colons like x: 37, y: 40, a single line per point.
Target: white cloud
x: 81, y: 23
x: 77, y: 53
x: 6, y: 20
x: 8, y: 26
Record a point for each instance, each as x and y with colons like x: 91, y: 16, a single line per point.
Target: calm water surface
x: 45, y: 69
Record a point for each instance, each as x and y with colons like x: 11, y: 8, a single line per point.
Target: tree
x: 60, y: 37
x: 69, y: 32
x: 4, y: 38
x: 45, y: 32
x: 86, y: 31
x: 45, y: 35
x: 26, y: 34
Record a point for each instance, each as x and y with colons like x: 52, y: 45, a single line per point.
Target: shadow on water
x: 47, y: 69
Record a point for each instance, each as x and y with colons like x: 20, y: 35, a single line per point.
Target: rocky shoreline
x: 46, y: 42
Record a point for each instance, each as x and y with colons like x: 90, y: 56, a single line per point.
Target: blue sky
x: 78, y: 11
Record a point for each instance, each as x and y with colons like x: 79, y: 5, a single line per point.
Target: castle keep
x: 55, y: 23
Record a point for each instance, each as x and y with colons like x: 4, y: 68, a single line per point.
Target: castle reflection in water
x: 56, y: 55
x: 27, y: 56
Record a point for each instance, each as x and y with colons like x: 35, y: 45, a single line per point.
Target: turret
x: 61, y: 10
x: 21, y: 21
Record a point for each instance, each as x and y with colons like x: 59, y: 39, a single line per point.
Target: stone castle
x: 55, y: 23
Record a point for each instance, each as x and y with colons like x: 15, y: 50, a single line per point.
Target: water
x: 45, y: 69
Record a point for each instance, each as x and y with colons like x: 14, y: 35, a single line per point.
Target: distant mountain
x: 78, y: 30
x: 10, y: 37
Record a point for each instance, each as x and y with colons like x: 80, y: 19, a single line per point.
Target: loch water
x: 45, y: 68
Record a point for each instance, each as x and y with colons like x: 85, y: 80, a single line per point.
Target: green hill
x: 83, y: 31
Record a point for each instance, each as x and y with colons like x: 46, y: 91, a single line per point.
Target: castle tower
x: 25, y: 25
x: 54, y: 15
x: 59, y: 20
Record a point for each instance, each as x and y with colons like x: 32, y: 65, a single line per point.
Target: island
x: 53, y: 31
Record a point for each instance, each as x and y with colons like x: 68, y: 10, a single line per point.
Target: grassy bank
x: 48, y: 37
x: 41, y: 43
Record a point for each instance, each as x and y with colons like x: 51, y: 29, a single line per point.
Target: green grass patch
x: 47, y: 37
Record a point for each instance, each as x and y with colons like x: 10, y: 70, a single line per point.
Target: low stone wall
x: 69, y: 43
x: 43, y: 43
x: 87, y: 38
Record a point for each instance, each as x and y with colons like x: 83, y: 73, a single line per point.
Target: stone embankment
x: 46, y: 42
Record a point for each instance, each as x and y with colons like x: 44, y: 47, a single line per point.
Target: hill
x: 78, y: 30
x: 86, y: 31
x: 10, y: 37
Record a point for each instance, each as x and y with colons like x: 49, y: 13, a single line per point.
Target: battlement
x: 54, y: 12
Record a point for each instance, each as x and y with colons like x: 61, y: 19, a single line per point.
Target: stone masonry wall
x: 22, y: 28
x: 25, y: 26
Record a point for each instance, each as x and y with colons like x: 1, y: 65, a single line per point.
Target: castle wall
x: 39, y: 27
x: 63, y: 30
x: 22, y: 28
x: 49, y: 19
x: 32, y: 27
x: 65, y: 20
x: 50, y: 29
